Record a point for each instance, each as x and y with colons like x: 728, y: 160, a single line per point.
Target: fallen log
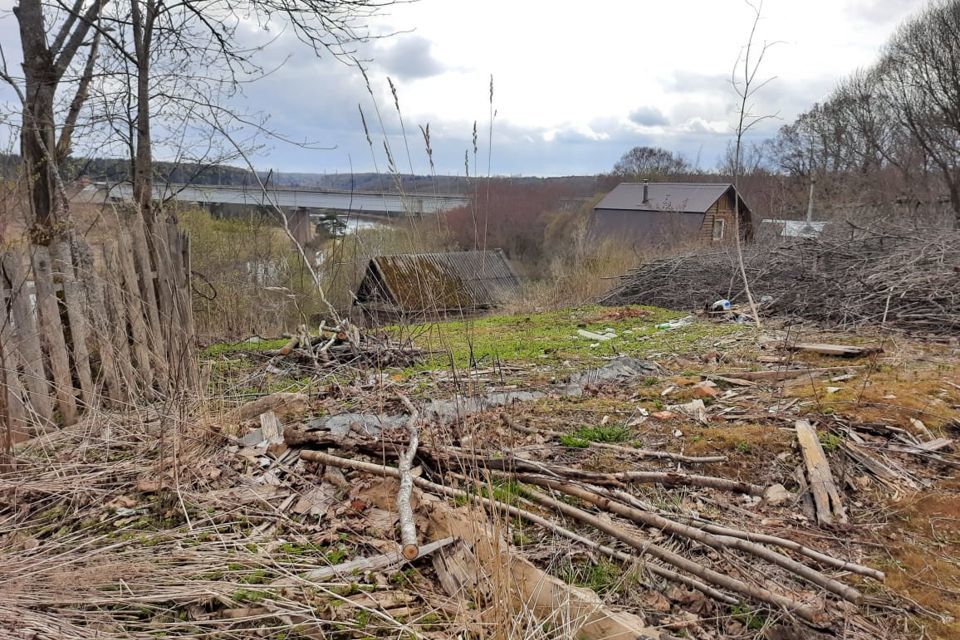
x: 294, y: 436
x: 408, y: 527
x: 513, y: 464
x: 280, y: 403
x: 549, y: 525
x: 666, y: 478
x: 792, y: 545
x: 763, y: 538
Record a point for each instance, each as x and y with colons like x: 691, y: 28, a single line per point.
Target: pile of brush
x: 344, y: 344
x: 849, y: 278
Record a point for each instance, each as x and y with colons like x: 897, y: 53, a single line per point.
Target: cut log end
x: 410, y: 551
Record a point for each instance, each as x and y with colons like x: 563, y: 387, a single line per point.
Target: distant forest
x: 118, y: 170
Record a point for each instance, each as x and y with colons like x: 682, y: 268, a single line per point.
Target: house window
x: 718, y: 230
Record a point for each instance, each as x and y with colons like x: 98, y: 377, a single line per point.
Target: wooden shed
x: 656, y: 214
x: 424, y: 286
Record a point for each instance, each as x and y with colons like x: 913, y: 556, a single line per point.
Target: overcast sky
x: 575, y: 83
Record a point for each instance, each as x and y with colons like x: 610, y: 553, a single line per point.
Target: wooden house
x: 659, y: 214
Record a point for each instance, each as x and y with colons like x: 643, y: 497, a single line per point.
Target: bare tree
x: 920, y: 70
x: 46, y: 62
x: 147, y: 35
x: 746, y: 85
x: 889, y: 134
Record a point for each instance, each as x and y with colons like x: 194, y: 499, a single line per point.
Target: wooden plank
x: 457, y: 571
x: 886, y: 473
x: 826, y: 497
x: 190, y: 327
x: 48, y: 307
x: 113, y: 388
x: 165, y: 286
x: 181, y: 340
x: 148, y: 293
x: 11, y: 390
x: 28, y: 336
x: 777, y: 375
x: 91, y: 281
x: 130, y: 293
x: 117, y: 320
x: 840, y: 350
x: 75, y: 302
x: 935, y: 445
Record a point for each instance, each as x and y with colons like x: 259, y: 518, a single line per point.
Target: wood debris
x: 826, y: 497
x: 880, y: 276
x: 841, y: 350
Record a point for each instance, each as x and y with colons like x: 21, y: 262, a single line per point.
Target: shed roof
x: 442, y: 281
x: 687, y: 197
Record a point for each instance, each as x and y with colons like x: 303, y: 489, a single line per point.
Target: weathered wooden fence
x: 87, y: 325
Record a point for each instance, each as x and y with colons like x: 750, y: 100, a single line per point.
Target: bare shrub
x: 506, y: 215
x: 247, y: 280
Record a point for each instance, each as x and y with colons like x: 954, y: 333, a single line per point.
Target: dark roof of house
x: 687, y: 197
x: 442, y: 281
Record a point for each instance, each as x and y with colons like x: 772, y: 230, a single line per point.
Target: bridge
x: 316, y: 201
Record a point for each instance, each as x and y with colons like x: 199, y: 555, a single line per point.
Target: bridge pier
x: 301, y: 228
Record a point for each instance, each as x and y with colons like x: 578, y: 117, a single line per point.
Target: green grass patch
x: 582, y: 437
x: 506, y: 491
x: 609, y: 434
x: 569, y: 440
x: 551, y: 338
x: 752, y: 619
x: 830, y: 441
x: 244, y: 346
x: 602, y: 577
x: 249, y: 595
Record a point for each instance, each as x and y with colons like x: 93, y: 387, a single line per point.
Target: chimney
x: 646, y: 191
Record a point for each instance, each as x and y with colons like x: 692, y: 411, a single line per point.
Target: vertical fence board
x: 28, y: 337
x: 75, y: 302
x: 117, y: 316
x: 141, y: 252
x: 10, y: 387
x: 120, y: 330
x: 53, y: 336
x: 98, y: 323
x: 136, y: 310
x: 181, y: 300
x: 165, y: 301
x: 186, y: 290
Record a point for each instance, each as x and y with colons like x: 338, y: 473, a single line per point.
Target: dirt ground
x: 178, y: 523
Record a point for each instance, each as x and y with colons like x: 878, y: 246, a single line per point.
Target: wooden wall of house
x: 646, y: 229
x: 722, y: 209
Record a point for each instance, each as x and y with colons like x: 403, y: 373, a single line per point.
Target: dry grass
x: 94, y: 545
x: 138, y: 526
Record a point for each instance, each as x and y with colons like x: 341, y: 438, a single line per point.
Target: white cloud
x: 408, y: 57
